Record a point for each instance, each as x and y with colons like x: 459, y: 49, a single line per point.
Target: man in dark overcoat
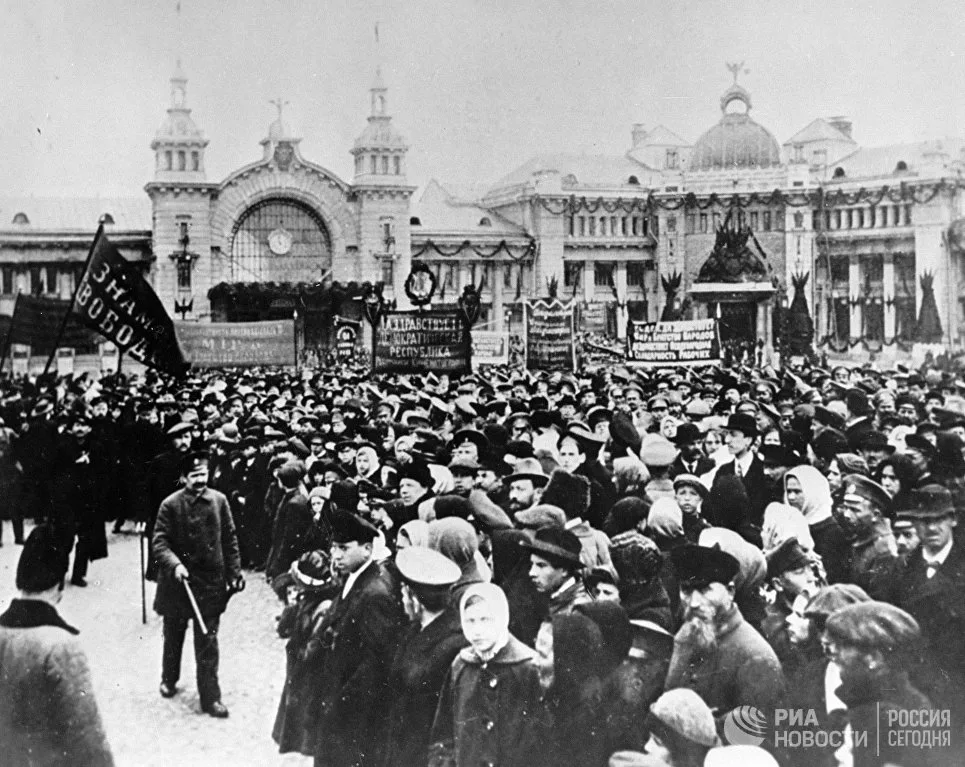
x: 163, y: 478
x: 357, y: 640
x: 194, y: 541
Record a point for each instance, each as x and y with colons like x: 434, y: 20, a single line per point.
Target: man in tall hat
x: 741, y: 437
x: 356, y: 642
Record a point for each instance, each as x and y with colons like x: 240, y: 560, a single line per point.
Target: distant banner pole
x: 73, y: 298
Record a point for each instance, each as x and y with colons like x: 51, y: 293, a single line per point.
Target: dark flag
x: 116, y: 301
x: 37, y: 320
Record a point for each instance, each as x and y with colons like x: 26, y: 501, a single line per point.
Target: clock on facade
x: 280, y: 242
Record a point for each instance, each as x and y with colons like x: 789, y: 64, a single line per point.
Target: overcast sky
x: 476, y: 86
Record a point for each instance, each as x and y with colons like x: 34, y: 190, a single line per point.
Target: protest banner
x: 490, y: 348
x: 683, y: 342
x: 20, y: 359
x: 237, y: 344
x: 550, y: 336
x: 434, y: 341
x: 345, y: 338
x: 65, y: 361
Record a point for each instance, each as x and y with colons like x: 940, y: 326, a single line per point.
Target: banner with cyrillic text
x: 434, y: 341
x: 683, y: 342
x: 490, y: 348
x: 237, y: 344
x: 550, y: 342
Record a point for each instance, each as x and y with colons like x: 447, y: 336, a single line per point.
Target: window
x: 635, y: 225
x: 837, y: 219
x: 7, y: 280
x: 691, y: 223
x: 397, y: 165
x: 703, y: 223
x: 613, y: 226
x: 21, y: 219
x: 195, y: 161
x: 507, y: 277
x: 673, y: 158
x: 251, y: 259
x: 741, y: 219
x: 182, y: 160
x: 716, y: 220
x: 603, y: 226
x: 754, y: 220
x: 907, y: 220
x: 358, y: 163
x: 904, y: 295
x: 485, y: 221
x: 671, y: 223
x: 571, y: 273
x: 859, y: 223
x: 839, y: 172
x: 623, y: 226
x: 635, y: 274
x: 184, y: 274
x: 387, y: 226
x: 799, y: 153
x: 901, y: 166
x: 633, y: 181
x: 779, y: 220
x: 798, y: 219
x: 385, y: 165
x: 388, y: 271
x: 414, y: 221
x: 582, y: 220
x: 592, y: 231
x: 168, y: 160
x: 603, y: 274
x: 896, y: 215
x: 819, y: 157
x: 571, y: 225
x: 373, y: 164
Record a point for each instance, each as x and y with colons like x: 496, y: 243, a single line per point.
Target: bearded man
x: 716, y: 652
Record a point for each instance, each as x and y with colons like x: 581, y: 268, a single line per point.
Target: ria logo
x: 745, y: 726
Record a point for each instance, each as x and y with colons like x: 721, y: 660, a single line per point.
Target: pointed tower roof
x: 380, y: 133
x: 178, y: 125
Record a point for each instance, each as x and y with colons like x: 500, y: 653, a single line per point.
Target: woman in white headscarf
x: 807, y: 490
x: 473, y: 725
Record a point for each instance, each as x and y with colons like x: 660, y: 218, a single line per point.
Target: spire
x: 380, y: 150
x: 179, y: 144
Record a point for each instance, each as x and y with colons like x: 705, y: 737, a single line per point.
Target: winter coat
x: 77, y: 495
x: 743, y: 672
x: 489, y: 713
x: 418, y: 673
x: 291, y: 532
x: 196, y: 531
x: 48, y: 715
x: 355, y: 643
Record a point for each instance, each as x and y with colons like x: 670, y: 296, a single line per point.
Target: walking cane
x: 143, y: 592
x: 194, y: 606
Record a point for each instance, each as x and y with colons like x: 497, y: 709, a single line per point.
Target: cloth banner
x: 681, y: 342
x: 37, y: 320
x: 490, y: 348
x: 237, y: 344
x: 435, y: 341
x: 114, y: 299
x: 345, y: 338
x: 550, y: 336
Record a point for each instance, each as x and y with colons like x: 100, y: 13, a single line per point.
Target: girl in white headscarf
x: 807, y: 490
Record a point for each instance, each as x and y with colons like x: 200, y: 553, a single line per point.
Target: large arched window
x: 280, y: 240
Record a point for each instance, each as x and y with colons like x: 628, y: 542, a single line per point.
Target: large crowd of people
x: 618, y: 566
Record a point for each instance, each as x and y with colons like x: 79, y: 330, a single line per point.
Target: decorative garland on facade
x: 868, y: 344
x: 503, y: 247
x: 821, y: 198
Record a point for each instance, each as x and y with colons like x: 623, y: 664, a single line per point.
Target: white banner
x: 490, y: 348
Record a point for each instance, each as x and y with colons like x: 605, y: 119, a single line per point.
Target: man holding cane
x: 196, y: 548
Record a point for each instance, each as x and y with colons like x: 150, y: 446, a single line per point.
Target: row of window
x: 704, y: 223
x: 603, y: 273
x: 379, y: 164
x: 874, y: 217
x: 39, y: 280
x: 610, y: 226
x: 180, y: 160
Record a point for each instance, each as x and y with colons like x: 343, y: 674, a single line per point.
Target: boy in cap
x: 195, y: 543
x: 716, y: 652
x: 355, y: 643
x: 49, y: 714
x: 790, y: 575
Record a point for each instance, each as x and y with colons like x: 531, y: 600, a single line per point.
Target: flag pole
x: 8, y: 341
x: 73, y: 297
x: 140, y: 545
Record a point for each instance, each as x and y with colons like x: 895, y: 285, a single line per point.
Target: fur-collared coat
x: 48, y: 715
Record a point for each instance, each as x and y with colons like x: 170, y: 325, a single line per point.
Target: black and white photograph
x: 482, y: 383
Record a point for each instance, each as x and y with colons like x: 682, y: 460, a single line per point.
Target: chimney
x: 639, y: 133
x: 842, y: 124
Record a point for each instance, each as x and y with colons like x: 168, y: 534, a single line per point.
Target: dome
x: 736, y: 141
x: 380, y: 134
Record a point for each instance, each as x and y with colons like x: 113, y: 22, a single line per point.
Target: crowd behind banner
x: 662, y: 566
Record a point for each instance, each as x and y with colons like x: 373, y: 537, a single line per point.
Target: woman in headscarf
x: 414, y: 533
x: 806, y: 489
x: 568, y: 650
x: 473, y: 725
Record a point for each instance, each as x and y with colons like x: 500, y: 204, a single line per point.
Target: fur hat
x: 570, y: 492
x: 635, y: 557
x: 43, y: 561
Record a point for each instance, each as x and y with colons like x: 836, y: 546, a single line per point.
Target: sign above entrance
x: 685, y: 342
x: 237, y: 344
x: 422, y: 342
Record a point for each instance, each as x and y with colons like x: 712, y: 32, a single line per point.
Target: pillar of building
x: 497, y: 293
x: 888, y: 278
x: 620, y: 282
x: 588, y: 281
x: 854, y: 292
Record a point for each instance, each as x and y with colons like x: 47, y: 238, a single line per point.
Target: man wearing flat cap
x: 873, y: 644
x: 555, y: 567
x: 433, y: 639
x: 863, y: 515
x: 790, y: 574
x: 195, y: 542
x: 716, y: 652
x: 930, y: 585
x: 355, y: 644
x: 49, y: 715
x: 163, y: 478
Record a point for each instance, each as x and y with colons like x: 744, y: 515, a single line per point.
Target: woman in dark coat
x: 568, y: 652
x: 313, y: 589
x: 425, y: 655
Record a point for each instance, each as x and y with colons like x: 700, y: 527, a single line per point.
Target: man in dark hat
x: 690, y: 459
x: 555, y: 567
x: 356, y: 641
x: 163, y: 478
x: 790, y: 574
x: 716, y: 652
x: 142, y: 441
x: 930, y: 585
x: 864, y: 514
x: 415, y: 486
x: 858, y: 420
x: 741, y: 438
x: 195, y: 543
x: 49, y: 715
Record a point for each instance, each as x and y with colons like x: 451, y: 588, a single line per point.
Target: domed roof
x: 736, y: 141
x: 380, y: 134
